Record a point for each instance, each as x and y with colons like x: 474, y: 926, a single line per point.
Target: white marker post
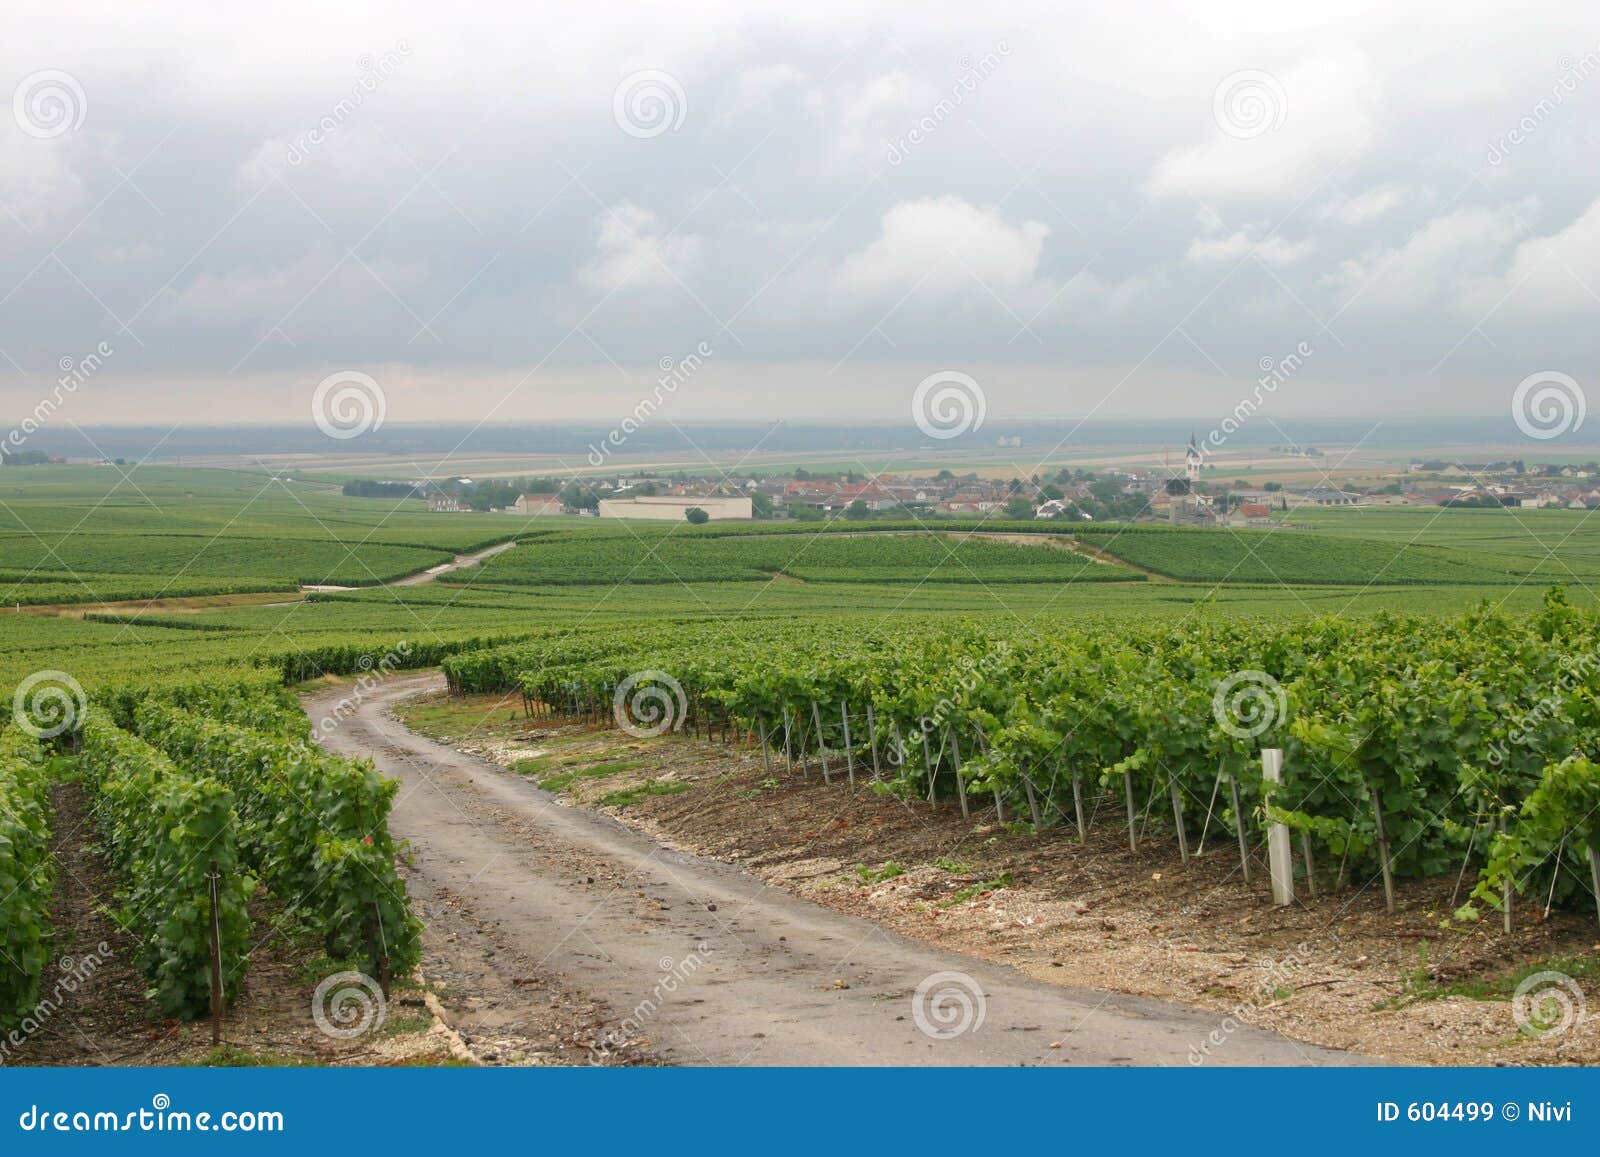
x: 1280, y: 854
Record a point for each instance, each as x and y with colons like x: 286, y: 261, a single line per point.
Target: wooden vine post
x: 1508, y: 890
x: 849, y: 754
x: 1383, y: 852
x: 1133, y: 834
x: 961, y: 787
x: 1077, y: 805
x: 766, y: 750
x: 872, y: 742
x: 1238, y: 823
x: 1594, y: 876
x: 822, y: 750
x: 927, y: 760
x: 1280, y: 855
x: 1177, y: 817
x: 215, y: 877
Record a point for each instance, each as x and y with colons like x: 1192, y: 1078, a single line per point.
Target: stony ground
x: 1336, y: 970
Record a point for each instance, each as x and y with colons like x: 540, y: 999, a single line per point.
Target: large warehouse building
x: 676, y: 509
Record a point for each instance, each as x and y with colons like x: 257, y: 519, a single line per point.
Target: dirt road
x: 711, y: 966
x: 460, y: 561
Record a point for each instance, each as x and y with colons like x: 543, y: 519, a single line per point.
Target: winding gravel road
x: 713, y: 966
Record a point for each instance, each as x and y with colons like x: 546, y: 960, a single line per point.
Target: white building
x: 675, y: 508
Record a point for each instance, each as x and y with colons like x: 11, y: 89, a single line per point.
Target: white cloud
x: 1361, y: 208
x: 265, y: 294
x: 1276, y: 251
x: 1557, y: 274
x: 1330, y: 108
x: 1444, y: 263
x: 633, y: 252
x: 939, y: 245
x: 38, y: 185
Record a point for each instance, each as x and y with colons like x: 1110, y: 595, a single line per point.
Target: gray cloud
x: 856, y: 196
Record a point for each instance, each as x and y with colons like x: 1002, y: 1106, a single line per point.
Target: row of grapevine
x: 313, y: 826
x: 1471, y: 736
x: 167, y: 830
x: 25, y: 874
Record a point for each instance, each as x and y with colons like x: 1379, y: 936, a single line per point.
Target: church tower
x: 1191, y: 458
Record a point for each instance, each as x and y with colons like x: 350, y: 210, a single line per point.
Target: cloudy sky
x: 520, y: 212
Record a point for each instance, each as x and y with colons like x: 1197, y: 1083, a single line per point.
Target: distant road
x: 460, y: 561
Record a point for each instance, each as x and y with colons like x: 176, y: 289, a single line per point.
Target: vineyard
x: 880, y: 557
x: 1413, y: 747
x: 205, y: 796
x: 1255, y: 556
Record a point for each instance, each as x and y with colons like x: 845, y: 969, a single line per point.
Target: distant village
x: 1192, y: 494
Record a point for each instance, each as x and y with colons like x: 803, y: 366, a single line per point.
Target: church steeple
x: 1192, y: 459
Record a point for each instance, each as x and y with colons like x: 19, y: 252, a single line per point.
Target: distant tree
x: 696, y: 516
x: 761, y: 506
x: 1019, y: 507
x: 1053, y: 493
x: 1272, y: 487
x: 801, y: 474
x: 857, y: 510
x: 943, y: 476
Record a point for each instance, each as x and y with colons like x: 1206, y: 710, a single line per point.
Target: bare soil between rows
x: 93, y: 1009
x: 1337, y: 970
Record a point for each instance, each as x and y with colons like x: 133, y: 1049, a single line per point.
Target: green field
x: 71, y: 536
